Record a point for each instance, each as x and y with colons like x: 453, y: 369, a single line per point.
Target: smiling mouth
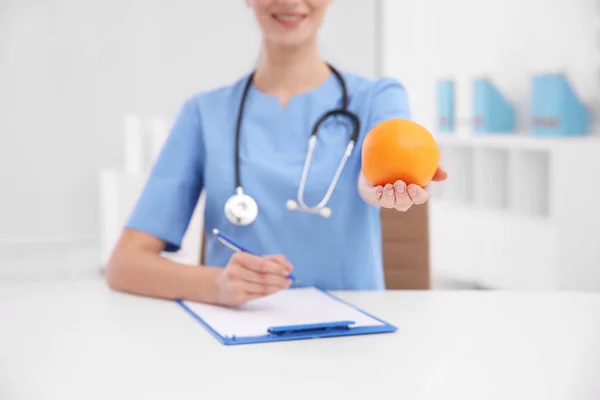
x: 288, y: 19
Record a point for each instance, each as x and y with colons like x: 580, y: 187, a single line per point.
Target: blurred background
x: 510, y: 89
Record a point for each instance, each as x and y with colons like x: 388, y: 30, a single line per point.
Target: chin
x: 291, y: 31
x: 292, y: 38
x: 291, y: 42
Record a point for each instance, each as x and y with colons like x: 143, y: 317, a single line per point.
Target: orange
x: 399, y: 149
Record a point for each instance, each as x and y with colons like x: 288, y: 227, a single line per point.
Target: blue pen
x: 227, y: 241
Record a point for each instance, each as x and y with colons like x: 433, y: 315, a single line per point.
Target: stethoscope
x: 241, y: 209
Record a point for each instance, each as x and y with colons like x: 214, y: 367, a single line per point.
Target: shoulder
x: 191, y: 121
x: 362, y: 86
x: 377, y: 99
x: 215, y: 97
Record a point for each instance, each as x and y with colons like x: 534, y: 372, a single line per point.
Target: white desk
x: 79, y: 340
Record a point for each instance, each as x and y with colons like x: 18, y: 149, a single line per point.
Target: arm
x: 137, y: 266
x: 160, y: 219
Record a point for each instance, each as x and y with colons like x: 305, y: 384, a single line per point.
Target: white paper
x: 288, y: 307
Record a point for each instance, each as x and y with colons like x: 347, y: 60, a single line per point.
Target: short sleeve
x: 389, y: 101
x: 171, y: 193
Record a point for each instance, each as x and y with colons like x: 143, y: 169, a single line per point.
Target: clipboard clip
x: 310, y: 328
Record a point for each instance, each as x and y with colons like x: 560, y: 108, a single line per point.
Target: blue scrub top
x: 342, y: 252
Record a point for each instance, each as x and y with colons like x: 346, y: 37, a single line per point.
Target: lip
x: 295, y: 19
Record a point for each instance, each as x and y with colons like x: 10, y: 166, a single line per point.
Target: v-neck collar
x: 271, y: 98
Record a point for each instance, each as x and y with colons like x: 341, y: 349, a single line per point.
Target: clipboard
x: 293, y: 314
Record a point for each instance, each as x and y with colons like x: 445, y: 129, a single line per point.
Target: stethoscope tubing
x: 300, y: 204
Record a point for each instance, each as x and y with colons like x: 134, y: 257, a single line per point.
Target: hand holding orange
x: 399, y: 150
x: 399, y: 159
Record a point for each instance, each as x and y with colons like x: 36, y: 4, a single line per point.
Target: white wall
x: 506, y: 40
x: 70, y: 72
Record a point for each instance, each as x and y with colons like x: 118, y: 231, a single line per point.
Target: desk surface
x: 79, y: 340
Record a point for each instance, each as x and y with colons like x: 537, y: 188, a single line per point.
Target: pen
x: 229, y: 242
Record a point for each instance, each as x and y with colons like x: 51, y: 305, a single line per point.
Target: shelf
x: 511, y: 141
x: 459, y: 189
x: 491, y: 181
x: 492, y: 248
x: 519, y: 212
x: 497, y: 178
x: 530, y: 178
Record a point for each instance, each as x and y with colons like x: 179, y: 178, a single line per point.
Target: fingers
x: 371, y: 195
x: 258, y: 264
x: 402, y: 200
x: 440, y: 175
x: 241, y: 272
x: 243, y: 292
x: 389, y: 197
x: 249, y: 289
x: 260, y: 274
x: 247, y: 277
x: 418, y: 195
x: 281, y: 260
x: 401, y: 197
x: 378, y: 193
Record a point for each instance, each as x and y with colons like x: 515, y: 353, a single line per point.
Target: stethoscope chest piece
x: 241, y: 209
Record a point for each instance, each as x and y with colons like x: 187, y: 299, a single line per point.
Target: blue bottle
x: 556, y: 111
x: 446, y: 120
x: 493, y: 113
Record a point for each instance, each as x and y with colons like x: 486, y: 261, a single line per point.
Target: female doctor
x: 278, y: 184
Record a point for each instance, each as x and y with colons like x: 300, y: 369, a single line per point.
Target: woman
x: 291, y: 88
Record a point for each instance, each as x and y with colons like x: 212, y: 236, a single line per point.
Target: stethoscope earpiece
x: 325, y: 212
x: 291, y: 205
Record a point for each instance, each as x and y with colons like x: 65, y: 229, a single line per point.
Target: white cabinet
x: 517, y: 212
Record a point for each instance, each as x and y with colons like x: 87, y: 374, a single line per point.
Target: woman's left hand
x: 398, y: 195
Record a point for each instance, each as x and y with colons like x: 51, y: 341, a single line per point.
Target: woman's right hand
x: 247, y: 277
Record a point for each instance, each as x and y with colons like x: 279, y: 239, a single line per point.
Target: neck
x: 285, y: 72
